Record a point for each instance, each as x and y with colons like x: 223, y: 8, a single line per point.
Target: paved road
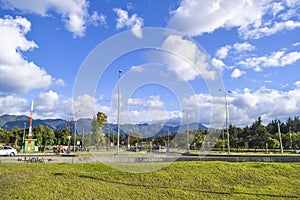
x: 168, y: 157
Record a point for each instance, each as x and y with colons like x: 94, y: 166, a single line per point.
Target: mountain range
x: 84, y: 125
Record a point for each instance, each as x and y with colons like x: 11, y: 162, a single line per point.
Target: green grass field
x: 179, y: 180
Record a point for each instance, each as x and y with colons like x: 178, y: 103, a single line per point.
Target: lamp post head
x: 120, y: 71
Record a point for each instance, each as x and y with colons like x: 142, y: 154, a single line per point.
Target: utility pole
x: 118, y: 142
x: 291, y: 141
x: 226, y: 117
x: 280, y: 139
x: 23, y: 144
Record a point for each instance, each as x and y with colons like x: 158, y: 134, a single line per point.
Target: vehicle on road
x: 7, y: 151
x: 298, y: 151
x: 162, y: 150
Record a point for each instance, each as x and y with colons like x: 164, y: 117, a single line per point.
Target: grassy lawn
x: 179, y: 180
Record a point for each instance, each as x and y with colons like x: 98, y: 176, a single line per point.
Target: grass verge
x: 179, y: 180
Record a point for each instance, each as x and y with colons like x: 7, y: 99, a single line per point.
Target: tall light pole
x: 168, y: 140
x: 23, y: 144
x: 75, y: 127
x: 118, y: 117
x: 226, y: 117
x: 291, y: 141
x: 280, y: 138
x: 187, y: 130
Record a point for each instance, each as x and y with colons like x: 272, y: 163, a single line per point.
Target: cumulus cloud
x: 236, y: 48
x: 246, y: 46
x: 13, y: 104
x: 137, y: 69
x: 74, y: 12
x: 17, y: 74
x: 269, y: 103
x: 297, y: 84
x: 46, y: 105
x: 150, y: 109
x: 246, y: 106
x: 186, y: 59
x: 52, y: 105
x: 222, y: 52
x: 252, y: 18
x: 237, y: 73
x: 275, y: 59
x: 296, y: 44
x: 96, y: 19
x: 134, y: 22
x: 200, y: 16
x: 218, y: 64
x: 150, y: 102
x: 262, y: 31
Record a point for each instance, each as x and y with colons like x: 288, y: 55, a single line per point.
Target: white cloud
x: 97, y: 18
x: 218, y: 64
x: 276, y: 59
x: 252, y: 18
x: 265, y: 102
x: 52, y: 105
x: 13, y: 104
x: 246, y: 46
x: 150, y: 102
x: 46, y: 101
x: 74, y: 12
x: 236, y: 48
x: 268, y: 81
x: 246, y: 106
x: 86, y: 105
x: 46, y: 105
x: 16, y: 73
x: 150, y: 110
x: 195, y: 17
x: 237, y: 73
x: 296, y: 44
x: 265, y: 30
x: 134, y: 22
x: 222, y: 52
x: 137, y: 69
x: 297, y: 84
x: 186, y: 59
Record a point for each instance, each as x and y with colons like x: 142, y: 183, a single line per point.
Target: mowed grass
x: 179, y: 180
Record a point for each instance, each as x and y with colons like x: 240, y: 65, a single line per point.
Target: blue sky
x: 253, y: 46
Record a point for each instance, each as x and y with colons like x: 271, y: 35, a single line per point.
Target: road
x: 161, y: 157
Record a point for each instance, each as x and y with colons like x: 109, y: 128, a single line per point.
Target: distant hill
x: 8, y: 122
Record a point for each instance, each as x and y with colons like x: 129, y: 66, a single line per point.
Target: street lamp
x: 187, y: 130
x: 280, y: 138
x: 291, y: 141
x: 69, y: 138
x: 226, y: 117
x: 23, y: 137
x: 75, y: 127
x: 118, y: 142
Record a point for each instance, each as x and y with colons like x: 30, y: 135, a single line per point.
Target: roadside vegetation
x: 254, y: 138
x: 179, y: 180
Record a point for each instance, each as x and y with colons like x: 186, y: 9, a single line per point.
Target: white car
x: 7, y: 151
x: 162, y: 150
x: 297, y: 151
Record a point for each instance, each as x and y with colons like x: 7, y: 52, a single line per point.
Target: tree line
x: 255, y: 136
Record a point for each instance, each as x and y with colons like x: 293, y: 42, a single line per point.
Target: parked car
x: 7, y: 151
x: 162, y: 150
x: 298, y: 151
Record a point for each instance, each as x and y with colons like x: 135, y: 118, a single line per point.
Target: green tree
x: 44, y: 135
x: 97, y: 125
x: 61, y: 136
x: 272, y: 143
